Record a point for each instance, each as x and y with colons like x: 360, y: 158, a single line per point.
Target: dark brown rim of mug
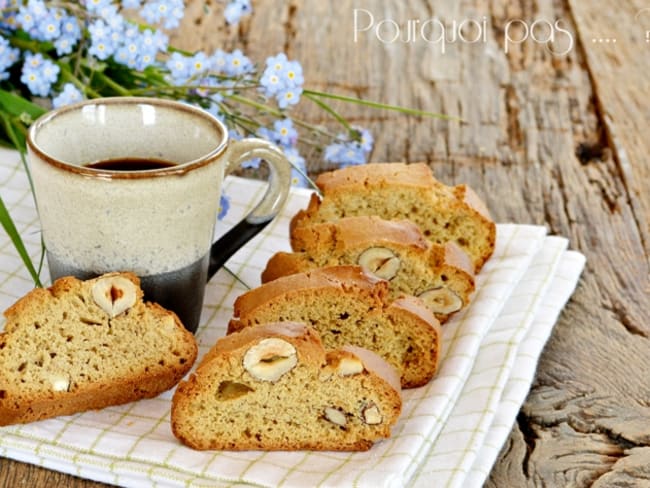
x: 179, y: 169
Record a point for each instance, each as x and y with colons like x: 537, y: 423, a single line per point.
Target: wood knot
x: 588, y: 152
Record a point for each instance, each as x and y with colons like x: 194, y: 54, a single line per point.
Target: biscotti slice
x: 347, y: 306
x: 249, y: 393
x: 397, y: 191
x: 442, y: 275
x: 82, y: 345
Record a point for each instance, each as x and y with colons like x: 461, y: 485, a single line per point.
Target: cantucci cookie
x: 348, y: 306
x: 82, y: 345
x: 397, y: 191
x: 249, y: 393
x: 442, y: 275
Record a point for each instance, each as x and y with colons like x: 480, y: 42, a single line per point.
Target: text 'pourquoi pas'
x: 557, y: 40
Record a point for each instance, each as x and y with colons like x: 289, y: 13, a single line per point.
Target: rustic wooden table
x: 555, y: 139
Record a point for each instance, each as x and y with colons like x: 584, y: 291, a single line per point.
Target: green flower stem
x: 29, y: 44
x: 68, y: 76
x: 246, y: 123
x: 150, y: 76
x: 279, y: 114
x: 241, y: 121
x: 234, y: 275
x: 260, y: 106
x: 183, y: 89
x: 339, y: 118
x: 119, y: 89
x: 154, y: 78
x: 311, y: 182
x: 41, y: 261
x: 370, y: 103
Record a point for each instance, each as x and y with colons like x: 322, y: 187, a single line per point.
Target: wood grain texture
x: 14, y: 474
x: 619, y: 74
x: 545, y: 139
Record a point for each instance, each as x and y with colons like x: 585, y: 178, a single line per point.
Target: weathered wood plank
x: 16, y: 474
x: 631, y: 470
x: 561, y: 457
x: 510, y: 468
x: 618, y: 68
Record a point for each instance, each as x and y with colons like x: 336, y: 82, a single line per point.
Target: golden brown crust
x: 91, y: 397
x: 469, y: 196
x: 465, y: 194
x: 284, y: 264
x: 351, y: 232
x: 303, y: 216
x: 333, y: 238
x: 61, y: 353
x: 404, y: 191
x: 277, y: 415
x: 352, y: 177
x: 335, y: 276
x: 414, y: 306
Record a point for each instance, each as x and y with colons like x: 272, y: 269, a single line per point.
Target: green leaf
x: 14, y: 130
x: 10, y: 228
x: 16, y: 105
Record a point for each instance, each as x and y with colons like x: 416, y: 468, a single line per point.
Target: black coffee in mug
x: 130, y: 164
x: 148, y: 201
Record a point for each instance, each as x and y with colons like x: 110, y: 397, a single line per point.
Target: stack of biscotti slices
x: 396, y: 191
x: 347, y: 306
x: 82, y: 345
x: 248, y: 392
x: 383, y: 254
x: 442, y: 275
x: 399, y: 223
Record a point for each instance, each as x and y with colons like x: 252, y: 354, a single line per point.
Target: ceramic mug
x: 134, y: 184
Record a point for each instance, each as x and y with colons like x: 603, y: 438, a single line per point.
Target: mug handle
x: 268, y: 207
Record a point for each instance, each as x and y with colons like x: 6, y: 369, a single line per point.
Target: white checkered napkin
x: 453, y: 451
x: 132, y: 445
x: 523, y: 370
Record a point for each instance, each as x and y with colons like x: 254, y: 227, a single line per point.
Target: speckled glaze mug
x: 134, y: 184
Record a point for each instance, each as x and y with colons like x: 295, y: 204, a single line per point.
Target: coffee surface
x: 131, y: 164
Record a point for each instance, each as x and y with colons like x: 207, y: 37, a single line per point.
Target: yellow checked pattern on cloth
x: 450, y: 431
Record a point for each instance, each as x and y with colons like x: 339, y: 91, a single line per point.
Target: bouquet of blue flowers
x: 54, y: 53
